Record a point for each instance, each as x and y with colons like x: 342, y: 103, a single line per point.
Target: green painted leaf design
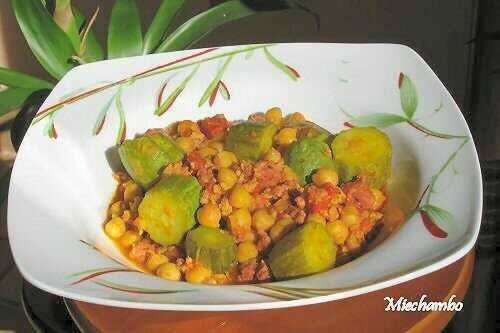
x: 161, y: 21
x: 101, y: 117
x: 13, y: 98
x: 120, y: 137
x: 408, y: 95
x: 12, y: 78
x: 50, y: 129
x: 169, y: 101
x: 50, y: 45
x: 200, y: 25
x: 224, y: 91
x: 64, y: 18
x: 380, y: 120
x: 213, y: 85
x: 136, y: 290
x: 441, y: 217
x: 290, y: 72
x: 124, y: 30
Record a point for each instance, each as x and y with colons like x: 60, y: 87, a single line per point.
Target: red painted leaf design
x: 160, y: 94
x: 53, y: 132
x: 294, y: 71
x: 100, y: 125
x: 400, y: 79
x: 431, y: 226
x: 211, y: 100
x: 348, y: 124
x: 96, y: 274
x: 224, y: 91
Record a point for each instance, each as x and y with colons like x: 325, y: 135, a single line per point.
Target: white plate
x: 60, y: 187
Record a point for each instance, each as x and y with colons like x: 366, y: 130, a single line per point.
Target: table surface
x: 364, y: 313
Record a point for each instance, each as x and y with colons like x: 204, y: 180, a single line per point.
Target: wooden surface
x: 364, y: 313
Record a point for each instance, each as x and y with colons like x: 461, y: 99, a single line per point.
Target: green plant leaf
x: 292, y: 73
x: 161, y: 21
x: 47, y: 41
x: 4, y: 185
x: 64, y: 18
x: 124, y: 31
x: 200, y: 25
x: 441, y: 217
x: 17, y: 79
x: 93, y: 50
x: 408, y: 95
x: 378, y: 120
x: 13, y: 98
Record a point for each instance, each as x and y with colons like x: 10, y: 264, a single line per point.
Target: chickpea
x: 353, y: 243
x: 209, y: 215
x: 169, y: 271
x: 297, y: 117
x: 350, y: 215
x: 227, y: 178
x: 217, y: 145
x: 249, y: 237
x: 315, y: 218
x: 207, y: 152
x: 198, y: 274
x: 338, y: 230
x: 155, y: 260
x: 116, y: 209
x: 379, y: 199
x: 272, y: 155
x: 286, y: 136
x: 246, y: 251
x: 186, y: 144
x: 240, y: 222
x: 262, y: 220
x: 274, y: 115
x: 224, y: 159
x: 131, y: 191
x: 129, y: 238
x: 115, y: 228
x: 186, y: 128
x: 281, y: 228
x: 333, y: 213
x: 239, y: 197
x: 324, y: 176
x: 289, y: 174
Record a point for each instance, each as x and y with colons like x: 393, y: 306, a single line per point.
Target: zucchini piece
x: 306, y: 156
x: 214, y: 248
x: 249, y: 141
x: 144, y: 157
x: 168, y: 208
x: 308, y: 129
x: 307, y: 250
x: 365, y: 152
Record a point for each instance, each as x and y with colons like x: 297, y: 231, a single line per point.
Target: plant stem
x: 442, y: 169
x: 153, y: 71
x: 429, y: 132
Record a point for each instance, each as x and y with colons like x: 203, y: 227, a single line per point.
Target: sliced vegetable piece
x: 307, y: 250
x: 145, y: 156
x: 308, y: 129
x: 365, y: 152
x: 306, y: 156
x: 168, y: 208
x: 249, y: 141
x: 214, y: 248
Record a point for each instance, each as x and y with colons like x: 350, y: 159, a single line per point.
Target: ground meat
x: 174, y: 252
x: 195, y: 160
x: 141, y: 249
x: 267, y: 175
x: 263, y: 272
x: 247, y: 271
x: 263, y: 241
x: 214, y: 126
x: 359, y: 194
x: 176, y: 169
